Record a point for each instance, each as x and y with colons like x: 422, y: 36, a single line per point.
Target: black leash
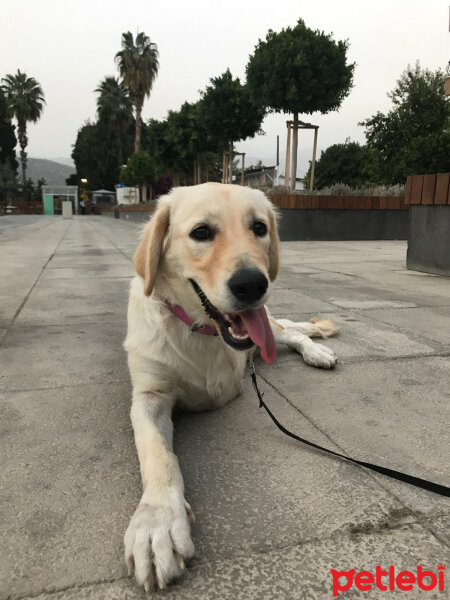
x: 430, y: 486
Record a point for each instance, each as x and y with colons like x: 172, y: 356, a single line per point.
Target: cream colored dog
x: 196, y: 309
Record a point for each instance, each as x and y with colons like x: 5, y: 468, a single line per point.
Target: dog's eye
x: 202, y: 233
x: 259, y: 228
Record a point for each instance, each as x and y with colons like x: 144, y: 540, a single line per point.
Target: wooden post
x: 199, y: 170
x: 223, y: 167
x: 243, y: 169
x: 231, y: 163
x: 294, y: 152
x: 313, y: 164
x: 288, y: 155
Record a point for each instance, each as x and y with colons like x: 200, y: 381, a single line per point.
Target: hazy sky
x: 69, y: 46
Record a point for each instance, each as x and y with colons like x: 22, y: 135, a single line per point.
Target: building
x: 127, y: 195
x: 54, y: 195
x: 103, y: 197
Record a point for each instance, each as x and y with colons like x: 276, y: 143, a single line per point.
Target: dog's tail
x: 323, y: 328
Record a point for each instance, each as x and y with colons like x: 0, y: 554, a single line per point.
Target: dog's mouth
x: 241, y: 330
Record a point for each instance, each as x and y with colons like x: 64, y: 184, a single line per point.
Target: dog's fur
x: 170, y: 363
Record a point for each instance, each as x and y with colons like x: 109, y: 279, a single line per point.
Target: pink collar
x: 179, y: 312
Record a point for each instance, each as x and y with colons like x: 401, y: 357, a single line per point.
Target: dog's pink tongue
x: 258, y: 328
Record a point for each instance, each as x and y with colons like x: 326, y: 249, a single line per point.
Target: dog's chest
x: 209, y: 373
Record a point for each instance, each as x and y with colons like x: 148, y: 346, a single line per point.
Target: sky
x: 69, y: 47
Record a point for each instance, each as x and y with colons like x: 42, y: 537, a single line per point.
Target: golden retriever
x: 196, y: 309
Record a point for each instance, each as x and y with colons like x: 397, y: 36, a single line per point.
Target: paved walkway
x: 272, y: 516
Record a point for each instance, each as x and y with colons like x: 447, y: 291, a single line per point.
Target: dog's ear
x: 274, y: 247
x: 148, y: 254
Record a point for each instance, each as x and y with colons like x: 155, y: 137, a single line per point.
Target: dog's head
x: 214, y: 249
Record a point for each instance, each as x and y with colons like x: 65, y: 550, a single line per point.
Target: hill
x: 53, y: 172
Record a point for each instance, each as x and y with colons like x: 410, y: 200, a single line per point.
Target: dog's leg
x: 296, y: 336
x: 158, y: 539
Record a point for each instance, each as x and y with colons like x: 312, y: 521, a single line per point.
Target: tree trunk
x: 137, y: 138
x: 294, y: 152
x: 119, y: 148
x: 231, y: 163
x: 199, y: 170
x: 313, y: 164
x: 23, y: 142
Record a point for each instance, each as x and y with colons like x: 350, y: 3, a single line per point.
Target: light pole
x: 84, y: 195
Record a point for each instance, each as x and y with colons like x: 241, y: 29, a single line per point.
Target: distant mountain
x: 53, y: 172
x: 64, y: 160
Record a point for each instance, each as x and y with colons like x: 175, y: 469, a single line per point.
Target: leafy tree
x: 140, y: 170
x: 138, y: 66
x: 187, y: 137
x: 299, y: 70
x: 37, y: 191
x: 341, y: 163
x: 95, y: 156
x: 178, y: 142
x: 414, y: 136
x: 25, y: 101
x: 114, y: 109
x: 8, y: 138
x: 8, y: 162
x: 154, y: 141
x: 85, y: 155
x: 73, y: 179
x: 228, y: 112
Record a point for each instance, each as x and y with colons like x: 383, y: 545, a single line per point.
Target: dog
x: 196, y: 311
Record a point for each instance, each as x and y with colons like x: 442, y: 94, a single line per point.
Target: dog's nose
x: 248, y: 285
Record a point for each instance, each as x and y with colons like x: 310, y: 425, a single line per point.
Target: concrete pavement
x: 272, y: 516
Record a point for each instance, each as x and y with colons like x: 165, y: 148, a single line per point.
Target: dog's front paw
x: 318, y: 355
x: 158, y: 543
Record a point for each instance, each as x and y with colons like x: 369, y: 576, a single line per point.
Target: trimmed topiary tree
x: 299, y: 70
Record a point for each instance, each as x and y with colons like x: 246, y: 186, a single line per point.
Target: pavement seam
x: 411, y: 334
x: 421, y: 519
x: 114, y: 244
x: 67, y: 588
x: 22, y: 304
x: 355, y: 360
x: 338, y: 307
x: 199, y: 563
x: 61, y: 387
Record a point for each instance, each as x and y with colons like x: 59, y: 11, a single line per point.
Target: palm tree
x: 138, y: 67
x: 25, y: 101
x: 115, y: 109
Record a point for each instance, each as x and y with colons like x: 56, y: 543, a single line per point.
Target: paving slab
x: 394, y: 413
x: 69, y: 479
x: 91, y: 272
x: 272, y: 516
x: 67, y: 301
x: 302, y: 572
x: 286, y: 302
x: 69, y: 491
x: 361, y: 337
x: 88, y: 261
x: 430, y: 322
x: 61, y: 355
x: 359, y: 293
